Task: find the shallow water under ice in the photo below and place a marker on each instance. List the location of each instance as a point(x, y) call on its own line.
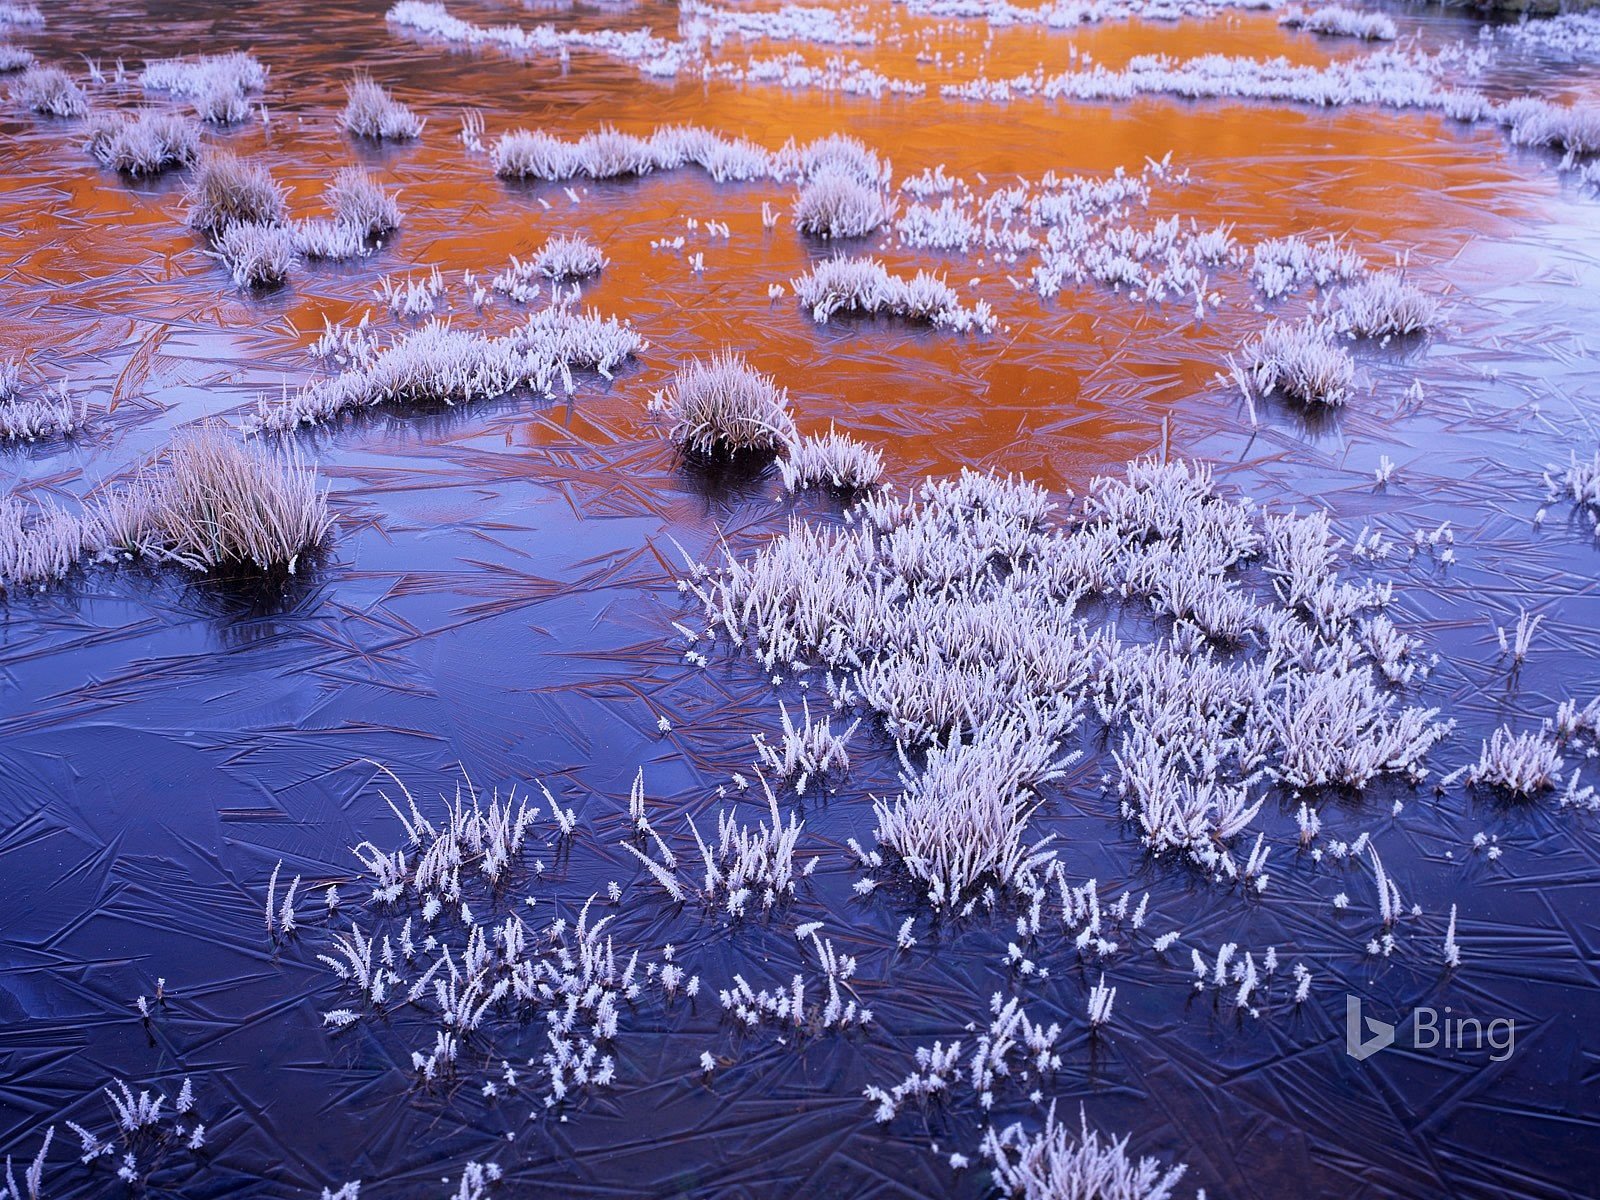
point(501, 591)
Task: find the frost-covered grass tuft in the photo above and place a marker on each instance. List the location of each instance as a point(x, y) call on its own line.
point(14, 58)
point(1387, 305)
point(227, 190)
point(841, 154)
point(371, 112)
point(532, 154)
point(51, 91)
point(1535, 122)
point(361, 202)
point(257, 254)
point(39, 544)
point(1522, 764)
point(12, 13)
point(210, 502)
point(569, 256)
point(1338, 21)
point(833, 460)
point(207, 503)
point(27, 414)
point(836, 205)
point(1300, 361)
point(236, 72)
point(221, 102)
point(1578, 482)
point(723, 405)
point(143, 142)
point(1056, 1164)
point(440, 365)
point(865, 286)
point(329, 239)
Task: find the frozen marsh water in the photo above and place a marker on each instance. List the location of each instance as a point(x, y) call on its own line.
point(499, 599)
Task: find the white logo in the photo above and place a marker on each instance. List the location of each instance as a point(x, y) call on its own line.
point(1354, 1045)
point(1429, 1030)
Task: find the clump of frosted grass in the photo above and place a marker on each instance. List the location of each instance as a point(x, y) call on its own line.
point(1522, 765)
point(440, 365)
point(362, 209)
point(220, 102)
point(206, 503)
point(190, 77)
point(532, 154)
point(1578, 482)
point(51, 411)
point(227, 190)
point(1301, 361)
point(1534, 122)
point(834, 460)
point(723, 405)
point(50, 91)
point(952, 613)
point(841, 154)
point(1056, 1163)
point(39, 543)
point(964, 818)
point(14, 58)
point(257, 254)
point(209, 502)
point(371, 112)
point(143, 142)
point(569, 256)
point(806, 751)
point(1282, 265)
point(328, 239)
point(865, 286)
point(1338, 21)
point(20, 14)
point(361, 202)
point(834, 204)
point(1387, 305)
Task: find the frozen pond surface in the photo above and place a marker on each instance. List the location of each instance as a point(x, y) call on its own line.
point(500, 595)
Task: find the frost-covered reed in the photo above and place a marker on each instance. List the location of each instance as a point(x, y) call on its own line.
point(569, 256)
point(49, 91)
point(1339, 21)
point(1578, 481)
point(1522, 764)
point(723, 405)
point(1387, 305)
point(227, 190)
point(371, 112)
point(833, 204)
point(1302, 361)
point(30, 413)
point(206, 503)
point(835, 460)
point(1058, 1163)
point(145, 141)
point(14, 58)
point(362, 203)
point(209, 502)
point(864, 286)
point(40, 543)
point(190, 77)
point(256, 253)
point(952, 614)
point(809, 750)
point(1531, 121)
point(437, 364)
